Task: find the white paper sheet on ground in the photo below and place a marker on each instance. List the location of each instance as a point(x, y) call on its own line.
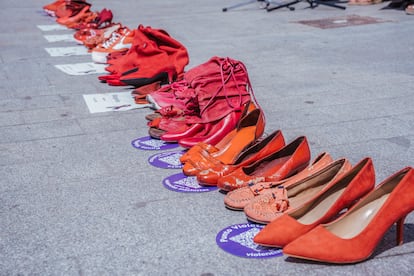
point(105, 102)
point(67, 51)
point(60, 38)
point(53, 27)
point(80, 69)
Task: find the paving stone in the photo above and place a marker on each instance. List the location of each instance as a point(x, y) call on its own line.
point(40, 131)
point(78, 199)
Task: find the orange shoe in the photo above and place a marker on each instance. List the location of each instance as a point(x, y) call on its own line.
point(354, 236)
point(207, 149)
point(66, 20)
point(70, 8)
point(286, 162)
point(245, 137)
point(52, 7)
point(239, 198)
point(267, 207)
point(86, 18)
point(321, 208)
point(103, 19)
point(272, 143)
point(120, 40)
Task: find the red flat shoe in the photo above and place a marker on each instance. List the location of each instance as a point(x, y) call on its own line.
point(272, 143)
point(246, 135)
point(216, 131)
point(205, 149)
point(239, 198)
point(269, 206)
point(291, 159)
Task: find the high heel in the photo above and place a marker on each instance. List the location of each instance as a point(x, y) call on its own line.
point(289, 160)
point(354, 236)
point(239, 198)
point(320, 208)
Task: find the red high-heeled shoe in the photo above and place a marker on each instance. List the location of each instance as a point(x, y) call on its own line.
point(320, 208)
point(354, 236)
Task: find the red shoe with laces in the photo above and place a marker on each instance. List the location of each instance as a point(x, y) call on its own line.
point(91, 37)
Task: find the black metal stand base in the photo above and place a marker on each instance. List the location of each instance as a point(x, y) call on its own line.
point(267, 4)
point(243, 4)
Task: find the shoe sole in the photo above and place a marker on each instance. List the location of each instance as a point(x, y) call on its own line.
point(138, 82)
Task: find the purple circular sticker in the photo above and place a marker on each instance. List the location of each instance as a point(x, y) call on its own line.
point(149, 143)
point(237, 239)
point(167, 160)
point(185, 184)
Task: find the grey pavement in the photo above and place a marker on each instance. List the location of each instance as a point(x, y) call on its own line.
point(77, 199)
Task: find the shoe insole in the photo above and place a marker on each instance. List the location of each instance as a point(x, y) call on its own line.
point(270, 168)
point(353, 223)
point(317, 211)
point(242, 138)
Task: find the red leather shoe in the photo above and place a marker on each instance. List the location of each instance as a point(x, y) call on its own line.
point(176, 136)
point(269, 206)
point(354, 236)
point(239, 198)
point(215, 132)
point(272, 143)
point(291, 159)
point(321, 208)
